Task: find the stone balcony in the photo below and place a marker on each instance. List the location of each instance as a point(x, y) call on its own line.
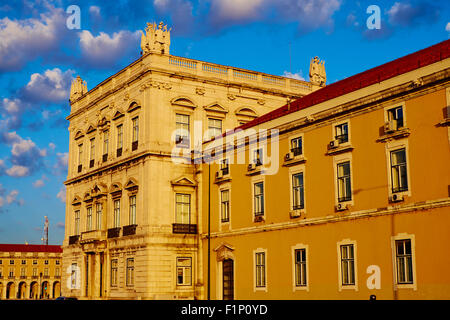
point(94, 235)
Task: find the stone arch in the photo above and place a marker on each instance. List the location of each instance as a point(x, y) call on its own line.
point(22, 290)
point(56, 290)
point(10, 290)
point(45, 290)
point(34, 290)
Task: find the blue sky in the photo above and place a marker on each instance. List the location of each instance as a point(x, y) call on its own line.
point(39, 57)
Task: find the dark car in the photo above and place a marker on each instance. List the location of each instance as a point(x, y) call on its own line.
point(66, 298)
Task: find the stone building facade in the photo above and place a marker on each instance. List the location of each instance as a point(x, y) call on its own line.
point(132, 211)
point(30, 271)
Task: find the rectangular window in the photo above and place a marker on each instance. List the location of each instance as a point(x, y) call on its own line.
point(105, 142)
point(46, 262)
point(130, 271)
point(259, 198)
point(34, 261)
point(77, 223)
point(132, 216)
point(119, 136)
point(80, 154)
point(347, 264)
point(225, 205)
point(22, 272)
point(224, 167)
point(135, 129)
point(89, 219)
point(404, 261)
point(183, 208)
point(260, 268)
point(57, 272)
point(99, 212)
point(24, 261)
point(116, 213)
point(298, 198)
point(182, 127)
point(34, 272)
point(58, 262)
point(344, 182)
point(73, 276)
point(300, 267)
point(92, 153)
point(257, 156)
point(396, 114)
point(45, 272)
point(184, 271)
point(114, 269)
point(297, 146)
point(11, 261)
point(341, 132)
point(399, 171)
point(214, 127)
point(11, 272)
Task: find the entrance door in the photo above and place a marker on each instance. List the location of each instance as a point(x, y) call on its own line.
point(228, 280)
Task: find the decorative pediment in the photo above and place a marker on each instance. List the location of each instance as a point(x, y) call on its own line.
point(115, 187)
point(76, 201)
point(131, 185)
point(183, 102)
point(118, 114)
point(99, 189)
point(246, 112)
point(224, 251)
point(184, 181)
point(87, 197)
point(133, 106)
point(91, 128)
point(79, 135)
point(102, 122)
point(216, 107)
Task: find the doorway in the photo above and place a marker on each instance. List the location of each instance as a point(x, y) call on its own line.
point(228, 279)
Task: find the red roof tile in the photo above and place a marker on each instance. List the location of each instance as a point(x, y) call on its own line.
point(361, 80)
point(29, 248)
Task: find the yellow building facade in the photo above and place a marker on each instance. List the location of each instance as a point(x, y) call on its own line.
point(132, 212)
point(30, 271)
point(342, 194)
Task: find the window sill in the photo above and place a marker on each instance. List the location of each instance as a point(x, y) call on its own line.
point(397, 134)
point(257, 170)
point(344, 147)
point(343, 206)
point(296, 160)
point(444, 123)
point(258, 218)
point(222, 179)
point(297, 213)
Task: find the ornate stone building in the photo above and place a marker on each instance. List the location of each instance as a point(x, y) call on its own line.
point(132, 213)
point(30, 271)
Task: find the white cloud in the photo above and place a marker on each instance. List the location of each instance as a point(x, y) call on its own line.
point(447, 27)
point(61, 195)
point(104, 50)
point(40, 183)
point(18, 171)
point(11, 197)
point(52, 146)
point(236, 9)
point(51, 86)
point(94, 10)
point(298, 75)
point(24, 40)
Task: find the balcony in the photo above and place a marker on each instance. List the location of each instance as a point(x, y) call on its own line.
point(129, 230)
point(91, 236)
point(113, 233)
point(184, 228)
point(74, 239)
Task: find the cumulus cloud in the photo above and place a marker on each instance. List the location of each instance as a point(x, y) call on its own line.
point(40, 183)
point(180, 12)
point(52, 86)
point(406, 14)
point(60, 167)
point(11, 111)
point(26, 158)
point(447, 27)
point(298, 75)
point(60, 225)
point(104, 51)
point(25, 40)
point(61, 195)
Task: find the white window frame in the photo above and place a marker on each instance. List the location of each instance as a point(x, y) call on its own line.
point(129, 279)
point(392, 146)
point(338, 159)
point(355, 259)
point(263, 155)
point(336, 124)
point(135, 128)
point(300, 246)
point(404, 236)
point(298, 135)
point(292, 171)
point(210, 129)
point(190, 220)
point(106, 137)
point(132, 214)
point(184, 114)
point(224, 187)
point(255, 288)
point(395, 105)
point(116, 213)
point(114, 275)
point(253, 181)
point(190, 268)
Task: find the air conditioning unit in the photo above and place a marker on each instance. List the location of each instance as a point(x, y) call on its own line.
point(251, 167)
point(390, 126)
point(396, 197)
point(219, 174)
point(289, 156)
point(333, 144)
point(341, 207)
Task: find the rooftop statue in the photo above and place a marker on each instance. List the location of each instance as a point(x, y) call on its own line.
point(78, 88)
point(156, 39)
point(317, 74)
